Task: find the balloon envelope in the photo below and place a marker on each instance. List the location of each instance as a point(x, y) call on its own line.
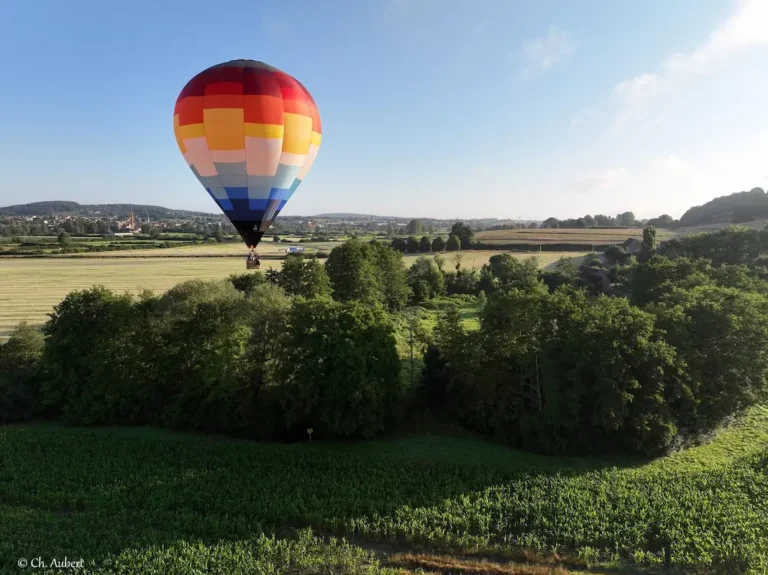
point(250, 133)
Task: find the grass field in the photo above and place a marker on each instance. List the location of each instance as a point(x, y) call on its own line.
point(155, 502)
point(29, 288)
point(559, 236)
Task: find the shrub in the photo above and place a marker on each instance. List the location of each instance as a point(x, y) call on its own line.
point(19, 374)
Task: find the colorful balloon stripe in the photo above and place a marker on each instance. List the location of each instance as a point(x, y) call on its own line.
point(250, 134)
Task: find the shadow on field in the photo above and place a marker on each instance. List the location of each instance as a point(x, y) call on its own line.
point(94, 492)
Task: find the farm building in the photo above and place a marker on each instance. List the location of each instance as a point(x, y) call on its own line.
point(632, 246)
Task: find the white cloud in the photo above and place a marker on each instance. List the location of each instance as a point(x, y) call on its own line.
point(540, 54)
point(672, 165)
point(747, 26)
point(601, 182)
point(636, 96)
point(640, 89)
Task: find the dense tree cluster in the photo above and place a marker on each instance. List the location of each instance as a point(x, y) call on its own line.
point(735, 208)
point(629, 354)
point(623, 220)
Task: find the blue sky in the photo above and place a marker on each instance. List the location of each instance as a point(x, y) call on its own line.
point(443, 108)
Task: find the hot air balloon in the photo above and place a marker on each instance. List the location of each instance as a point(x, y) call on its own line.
point(250, 134)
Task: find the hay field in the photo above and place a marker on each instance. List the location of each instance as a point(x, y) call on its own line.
point(478, 258)
point(30, 288)
point(566, 236)
point(231, 249)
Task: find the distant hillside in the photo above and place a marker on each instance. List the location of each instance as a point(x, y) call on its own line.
point(737, 208)
point(348, 216)
point(755, 225)
point(106, 210)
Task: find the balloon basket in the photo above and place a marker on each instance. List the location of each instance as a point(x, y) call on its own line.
point(252, 265)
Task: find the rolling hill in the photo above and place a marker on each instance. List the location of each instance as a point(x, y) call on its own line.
point(106, 210)
point(736, 208)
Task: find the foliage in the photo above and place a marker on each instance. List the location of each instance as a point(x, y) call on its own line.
point(453, 244)
point(399, 244)
point(652, 279)
point(415, 227)
point(438, 244)
point(87, 383)
point(19, 374)
point(723, 335)
point(368, 272)
point(616, 254)
point(731, 245)
point(462, 282)
point(425, 245)
point(425, 274)
point(339, 369)
point(464, 233)
point(723, 209)
point(351, 272)
point(649, 240)
point(522, 380)
point(504, 272)
point(304, 276)
point(179, 361)
point(663, 221)
point(565, 273)
point(412, 245)
point(248, 281)
point(390, 276)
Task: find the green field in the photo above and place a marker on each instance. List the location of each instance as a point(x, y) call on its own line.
point(152, 502)
point(29, 288)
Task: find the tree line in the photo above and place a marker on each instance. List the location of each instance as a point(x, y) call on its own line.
point(671, 346)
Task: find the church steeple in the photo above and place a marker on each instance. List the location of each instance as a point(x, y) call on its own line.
point(131, 222)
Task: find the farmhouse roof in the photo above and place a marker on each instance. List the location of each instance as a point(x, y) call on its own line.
point(629, 242)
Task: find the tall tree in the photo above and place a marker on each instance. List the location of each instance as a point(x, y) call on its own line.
point(340, 367)
point(425, 270)
point(438, 244)
point(415, 227)
point(399, 244)
point(627, 219)
point(424, 245)
point(304, 276)
point(453, 244)
point(649, 240)
point(389, 273)
point(352, 273)
point(464, 233)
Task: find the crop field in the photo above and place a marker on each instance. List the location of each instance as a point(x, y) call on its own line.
point(475, 259)
point(30, 288)
point(569, 236)
point(152, 502)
